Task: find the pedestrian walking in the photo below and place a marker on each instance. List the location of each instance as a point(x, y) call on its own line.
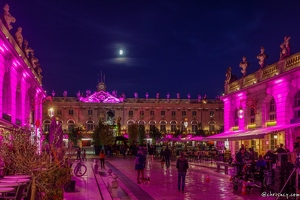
point(140, 164)
point(102, 157)
point(182, 165)
point(167, 155)
point(78, 154)
point(84, 155)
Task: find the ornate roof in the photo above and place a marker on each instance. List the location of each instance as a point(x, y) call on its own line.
point(101, 97)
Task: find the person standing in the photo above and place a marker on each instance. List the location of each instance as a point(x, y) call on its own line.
point(84, 155)
point(78, 154)
point(182, 165)
point(167, 154)
point(151, 153)
point(102, 157)
point(140, 164)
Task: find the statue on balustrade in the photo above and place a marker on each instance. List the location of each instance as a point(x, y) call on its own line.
point(88, 93)
point(285, 48)
point(27, 50)
point(19, 37)
point(7, 18)
point(147, 95)
point(199, 97)
point(178, 96)
point(188, 96)
point(168, 96)
point(78, 94)
point(262, 57)
point(227, 75)
point(65, 94)
point(34, 61)
point(157, 95)
point(244, 64)
point(136, 95)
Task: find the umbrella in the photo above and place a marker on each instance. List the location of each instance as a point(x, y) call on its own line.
point(198, 138)
point(169, 139)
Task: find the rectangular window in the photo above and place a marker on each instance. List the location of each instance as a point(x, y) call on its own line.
point(90, 112)
point(90, 127)
point(71, 112)
point(252, 120)
point(194, 113)
point(211, 127)
point(59, 112)
point(211, 113)
point(183, 113)
point(130, 113)
point(141, 113)
point(173, 113)
point(162, 113)
point(46, 127)
point(152, 113)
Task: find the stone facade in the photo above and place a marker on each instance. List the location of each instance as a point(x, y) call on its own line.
point(265, 98)
point(21, 94)
point(166, 114)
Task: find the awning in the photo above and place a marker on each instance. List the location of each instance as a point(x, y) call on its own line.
point(248, 135)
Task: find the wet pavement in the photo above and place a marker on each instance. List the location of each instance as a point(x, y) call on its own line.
point(163, 182)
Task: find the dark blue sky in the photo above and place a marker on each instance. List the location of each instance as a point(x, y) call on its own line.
point(169, 46)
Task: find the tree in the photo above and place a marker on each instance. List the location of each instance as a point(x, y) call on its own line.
point(155, 133)
point(142, 134)
point(133, 133)
point(102, 135)
point(75, 134)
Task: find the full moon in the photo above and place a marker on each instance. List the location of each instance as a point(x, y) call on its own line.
point(121, 52)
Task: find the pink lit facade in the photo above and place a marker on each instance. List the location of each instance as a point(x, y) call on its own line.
point(262, 110)
point(21, 86)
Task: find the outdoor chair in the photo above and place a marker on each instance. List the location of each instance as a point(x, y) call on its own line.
point(16, 195)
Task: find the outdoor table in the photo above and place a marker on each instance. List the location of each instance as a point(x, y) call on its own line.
point(6, 189)
point(11, 180)
point(18, 176)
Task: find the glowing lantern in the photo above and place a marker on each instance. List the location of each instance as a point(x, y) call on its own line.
point(241, 113)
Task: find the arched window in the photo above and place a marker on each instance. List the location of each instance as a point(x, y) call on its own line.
point(272, 110)
point(212, 126)
point(252, 116)
point(142, 122)
point(297, 105)
point(89, 125)
point(194, 126)
point(47, 123)
point(152, 124)
point(173, 126)
point(71, 124)
point(163, 126)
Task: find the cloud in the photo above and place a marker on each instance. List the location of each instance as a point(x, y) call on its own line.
point(130, 62)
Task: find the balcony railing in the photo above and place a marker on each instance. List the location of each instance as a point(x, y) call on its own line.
point(270, 71)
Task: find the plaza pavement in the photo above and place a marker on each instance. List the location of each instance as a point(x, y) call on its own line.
point(163, 183)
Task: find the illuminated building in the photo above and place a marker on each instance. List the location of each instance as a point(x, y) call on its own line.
point(21, 93)
point(262, 109)
point(165, 113)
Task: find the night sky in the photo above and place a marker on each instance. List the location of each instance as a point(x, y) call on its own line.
point(169, 46)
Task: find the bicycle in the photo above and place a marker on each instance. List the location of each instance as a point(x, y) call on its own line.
point(80, 169)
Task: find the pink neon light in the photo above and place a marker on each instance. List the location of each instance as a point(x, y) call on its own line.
point(240, 94)
point(278, 81)
point(225, 99)
point(1, 49)
point(18, 63)
point(14, 64)
point(5, 46)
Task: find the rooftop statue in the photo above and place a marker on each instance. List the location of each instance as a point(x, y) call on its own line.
point(65, 93)
point(188, 96)
point(157, 95)
point(114, 93)
point(147, 95)
point(285, 48)
point(78, 94)
point(228, 76)
point(262, 57)
point(168, 96)
point(34, 61)
point(199, 97)
point(244, 64)
point(7, 17)
point(136, 95)
point(53, 93)
point(178, 96)
point(27, 50)
point(88, 93)
point(19, 37)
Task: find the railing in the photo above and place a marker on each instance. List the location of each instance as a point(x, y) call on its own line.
point(270, 71)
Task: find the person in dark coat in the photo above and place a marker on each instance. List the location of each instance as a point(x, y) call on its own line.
point(182, 165)
point(167, 155)
point(140, 164)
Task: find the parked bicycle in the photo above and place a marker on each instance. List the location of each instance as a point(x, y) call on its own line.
point(80, 169)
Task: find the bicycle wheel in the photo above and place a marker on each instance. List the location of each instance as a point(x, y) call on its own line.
point(80, 170)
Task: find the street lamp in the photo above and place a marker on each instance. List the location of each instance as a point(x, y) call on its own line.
point(51, 112)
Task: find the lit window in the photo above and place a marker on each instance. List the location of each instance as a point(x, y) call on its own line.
point(89, 125)
point(194, 126)
point(272, 110)
point(152, 125)
point(252, 116)
point(211, 113)
point(71, 125)
point(163, 126)
point(173, 126)
point(47, 126)
point(297, 105)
